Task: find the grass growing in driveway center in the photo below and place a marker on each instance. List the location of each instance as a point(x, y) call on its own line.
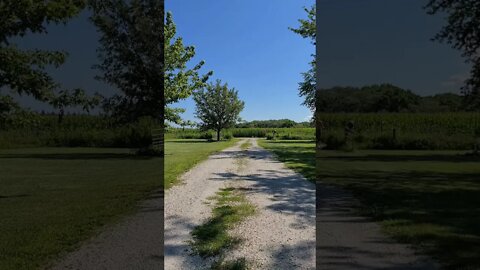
point(53, 198)
point(430, 199)
point(183, 154)
point(245, 145)
point(231, 207)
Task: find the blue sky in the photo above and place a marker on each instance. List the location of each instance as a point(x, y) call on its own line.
point(247, 44)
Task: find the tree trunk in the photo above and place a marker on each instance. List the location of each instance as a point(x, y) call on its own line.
point(218, 134)
point(60, 116)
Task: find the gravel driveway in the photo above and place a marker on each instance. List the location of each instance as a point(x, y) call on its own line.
point(347, 241)
point(134, 243)
point(281, 235)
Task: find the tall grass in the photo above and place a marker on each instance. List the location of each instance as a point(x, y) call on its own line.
point(422, 131)
point(76, 130)
point(280, 133)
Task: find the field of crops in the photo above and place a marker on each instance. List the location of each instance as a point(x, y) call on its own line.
point(422, 131)
point(280, 133)
point(75, 130)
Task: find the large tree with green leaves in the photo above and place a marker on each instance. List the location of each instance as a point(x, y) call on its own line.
point(23, 72)
point(218, 107)
point(307, 29)
point(77, 97)
point(462, 31)
point(180, 81)
point(132, 56)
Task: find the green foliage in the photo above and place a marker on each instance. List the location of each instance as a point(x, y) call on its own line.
point(461, 31)
point(132, 56)
point(281, 133)
point(281, 123)
point(75, 131)
point(297, 155)
point(434, 131)
point(385, 98)
point(23, 72)
point(218, 107)
point(78, 97)
point(53, 199)
point(231, 207)
point(182, 155)
point(428, 199)
point(307, 29)
point(180, 81)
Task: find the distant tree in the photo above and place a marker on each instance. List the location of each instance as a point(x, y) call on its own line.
point(132, 55)
point(180, 81)
point(218, 107)
point(463, 33)
point(73, 99)
point(23, 72)
point(186, 123)
point(307, 87)
point(371, 98)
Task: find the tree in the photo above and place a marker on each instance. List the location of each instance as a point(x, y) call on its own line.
point(218, 107)
point(76, 98)
point(180, 81)
point(307, 29)
point(132, 56)
point(186, 123)
point(463, 33)
point(22, 72)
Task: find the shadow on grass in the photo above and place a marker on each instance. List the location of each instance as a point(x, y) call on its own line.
point(300, 159)
point(14, 196)
point(438, 212)
point(193, 141)
point(291, 141)
point(408, 158)
point(76, 156)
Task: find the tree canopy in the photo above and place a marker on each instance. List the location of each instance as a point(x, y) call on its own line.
point(180, 81)
point(280, 123)
point(23, 72)
point(462, 31)
point(384, 98)
point(218, 107)
point(307, 29)
point(132, 55)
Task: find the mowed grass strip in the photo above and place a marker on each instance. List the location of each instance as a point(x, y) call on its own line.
point(429, 199)
point(212, 237)
point(53, 198)
point(244, 146)
point(297, 155)
point(183, 154)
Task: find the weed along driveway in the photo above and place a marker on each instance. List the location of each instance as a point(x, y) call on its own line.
point(240, 209)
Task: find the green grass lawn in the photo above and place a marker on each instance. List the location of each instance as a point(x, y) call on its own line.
point(183, 154)
point(297, 155)
point(427, 198)
point(430, 199)
point(53, 198)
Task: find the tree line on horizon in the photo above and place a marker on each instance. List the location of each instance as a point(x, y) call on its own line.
point(379, 98)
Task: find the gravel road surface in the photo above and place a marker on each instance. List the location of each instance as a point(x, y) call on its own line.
point(134, 243)
point(281, 235)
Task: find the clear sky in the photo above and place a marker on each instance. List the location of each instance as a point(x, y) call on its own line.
point(247, 44)
point(376, 41)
